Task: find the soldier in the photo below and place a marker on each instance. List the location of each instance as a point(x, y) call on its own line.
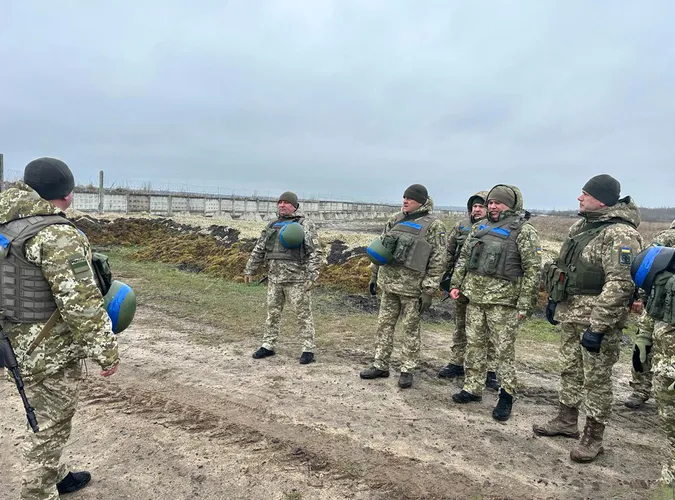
point(642, 380)
point(54, 259)
point(408, 261)
point(290, 245)
point(477, 209)
point(498, 272)
point(591, 284)
point(654, 272)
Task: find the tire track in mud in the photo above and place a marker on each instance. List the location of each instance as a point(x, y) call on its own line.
point(340, 458)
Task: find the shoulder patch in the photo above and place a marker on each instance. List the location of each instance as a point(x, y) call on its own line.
point(80, 267)
point(625, 256)
point(539, 250)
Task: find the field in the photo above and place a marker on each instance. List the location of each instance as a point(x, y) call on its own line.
point(191, 415)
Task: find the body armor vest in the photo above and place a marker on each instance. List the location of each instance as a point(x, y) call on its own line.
point(463, 231)
point(569, 274)
point(25, 294)
point(407, 241)
point(661, 302)
point(274, 250)
point(493, 250)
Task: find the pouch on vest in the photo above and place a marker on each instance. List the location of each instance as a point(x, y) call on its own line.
point(389, 242)
point(404, 244)
point(475, 249)
point(669, 309)
point(556, 282)
point(490, 257)
point(102, 272)
point(656, 303)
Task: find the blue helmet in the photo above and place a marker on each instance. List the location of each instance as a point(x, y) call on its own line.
point(650, 262)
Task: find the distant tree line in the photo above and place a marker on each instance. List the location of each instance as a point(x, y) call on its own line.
point(658, 214)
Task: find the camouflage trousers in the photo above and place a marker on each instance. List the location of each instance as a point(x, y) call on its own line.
point(391, 307)
point(641, 382)
point(458, 346)
point(587, 377)
point(485, 325)
point(301, 301)
point(663, 351)
point(54, 400)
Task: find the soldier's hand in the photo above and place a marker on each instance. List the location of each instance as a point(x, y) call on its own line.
point(637, 307)
point(248, 279)
point(521, 316)
point(372, 287)
point(111, 371)
point(550, 311)
point(591, 341)
point(641, 350)
point(454, 293)
point(424, 302)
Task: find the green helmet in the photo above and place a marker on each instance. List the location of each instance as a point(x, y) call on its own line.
point(292, 235)
point(120, 303)
point(378, 253)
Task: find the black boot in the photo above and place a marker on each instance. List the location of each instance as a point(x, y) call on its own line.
point(502, 411)
point(491, 381)
point(465, 397)
point(373, 372)
point(263, 353)
point(451, 371)
point(73, 481)
point(405, 380)
point(306, 358)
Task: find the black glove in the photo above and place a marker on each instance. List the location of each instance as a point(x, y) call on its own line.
point(550, 311)
point(372, 287)
point(591, 341)
point(445, 281)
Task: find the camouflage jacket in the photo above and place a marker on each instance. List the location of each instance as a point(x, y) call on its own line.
point(84, 328)
point(406, 282)
point(489, 290)
point(460, 229)
point(288, 271)
point(609, 310)
point(666, 238)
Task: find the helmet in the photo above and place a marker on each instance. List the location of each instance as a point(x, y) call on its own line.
point(292, 235)
point(120, 302)
point(378, 253)
point(650, 262)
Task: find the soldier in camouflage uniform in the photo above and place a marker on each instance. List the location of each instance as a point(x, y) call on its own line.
point(477, 210)
point(498, 271)
point(642, 381)
point(591, 284)
point(292, 274)
point(409, 282)
point(55, 259)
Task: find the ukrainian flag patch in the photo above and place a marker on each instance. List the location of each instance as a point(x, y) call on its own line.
point(625, 256)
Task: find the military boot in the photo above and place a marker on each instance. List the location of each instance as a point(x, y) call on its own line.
point(590, 445)
point(451, 371)
point(491, 381)
point(502, 411)
point(635, 401)
point(373, 372)
point(565, 424)
point(73, 481)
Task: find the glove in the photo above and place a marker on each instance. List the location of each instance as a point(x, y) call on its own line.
point(591, 341)
point(445, 281)
point(550, 312)
point(643, 346)
point(372, 286)
point(424, 302)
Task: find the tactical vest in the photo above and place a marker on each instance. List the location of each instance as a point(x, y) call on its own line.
point(661, 302)
point(407, 241)
point(493, 250)
point(571, 275)
point(274, 250)
point(25, 295)
point(462, 234)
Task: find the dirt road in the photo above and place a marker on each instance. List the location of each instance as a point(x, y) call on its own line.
point(182, 420)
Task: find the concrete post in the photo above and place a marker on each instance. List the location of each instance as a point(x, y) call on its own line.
point(100, 192)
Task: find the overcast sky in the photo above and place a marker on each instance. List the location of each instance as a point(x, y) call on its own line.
point(352, 98)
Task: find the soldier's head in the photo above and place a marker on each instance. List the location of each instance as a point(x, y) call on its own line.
point(477, 206)
point(599, 192)
point(287, 203)
point(52, 180)
point(500, 199)
point(414, 197)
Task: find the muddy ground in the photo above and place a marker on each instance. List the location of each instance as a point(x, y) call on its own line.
point(182, 420)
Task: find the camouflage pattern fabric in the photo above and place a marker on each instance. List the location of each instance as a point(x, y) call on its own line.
point(84, 328)
point(289, 271)
point(586, 377)
point(641, 382)
point(301, 301)
point(490, 290)
point(54, 399)
point(457, 235)
point(609, 310)
point(398, 280)
point(391, 307)
point(666, 238)
point(664, 375)
point(485, 325)
point(458, 346)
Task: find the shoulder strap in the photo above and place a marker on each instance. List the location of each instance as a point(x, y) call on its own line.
point(598, 225)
